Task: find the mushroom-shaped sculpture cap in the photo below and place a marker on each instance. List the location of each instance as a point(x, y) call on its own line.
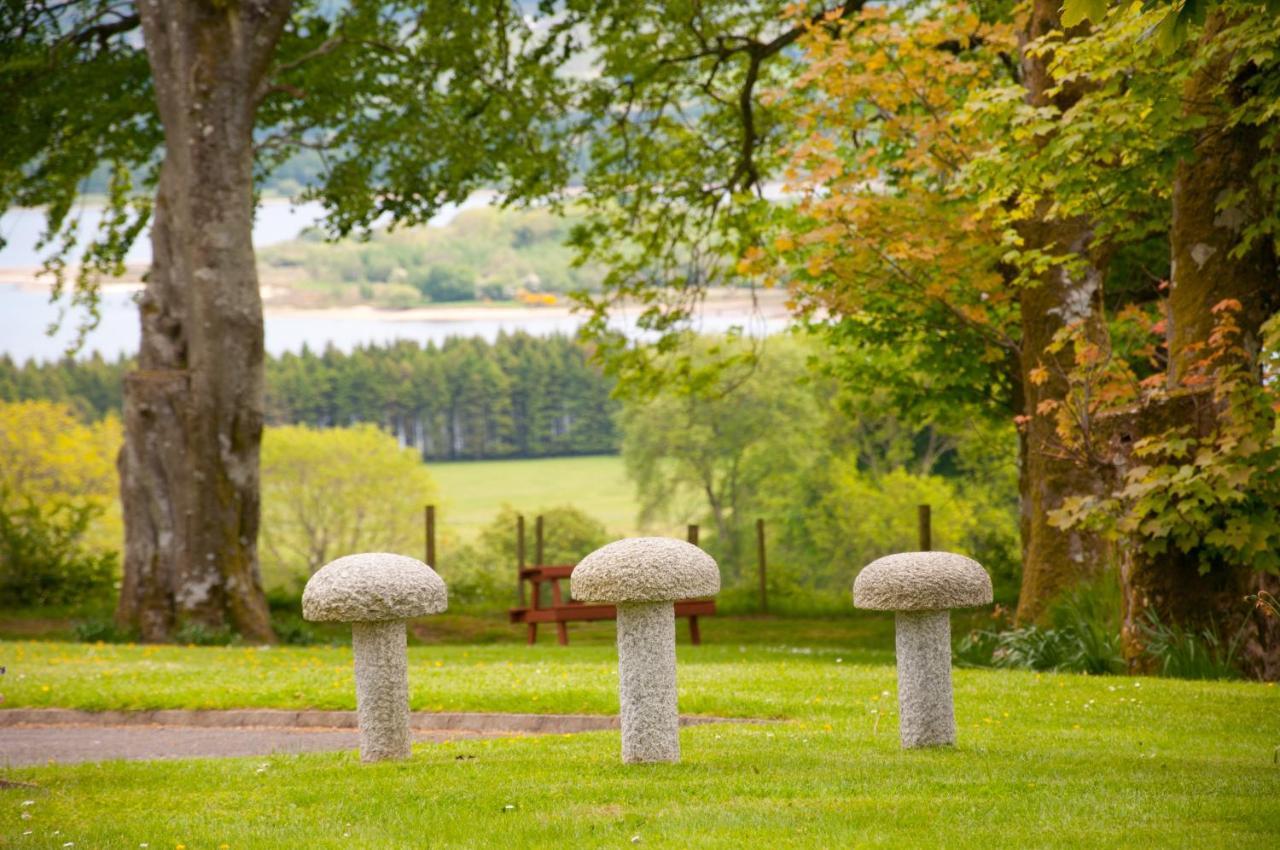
point(921, 581)
point(645, 569)
point(373, 587)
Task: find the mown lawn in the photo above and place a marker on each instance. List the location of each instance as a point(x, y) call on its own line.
point(1043, 760)
point(472, 492)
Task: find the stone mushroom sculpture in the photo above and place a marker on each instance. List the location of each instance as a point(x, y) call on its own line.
point(376, 592)
point(644, 576)
point(921, 588)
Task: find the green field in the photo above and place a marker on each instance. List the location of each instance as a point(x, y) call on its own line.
point(1043, 760)
point(472, 492)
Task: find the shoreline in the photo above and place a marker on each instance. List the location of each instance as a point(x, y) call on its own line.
point(767, 304)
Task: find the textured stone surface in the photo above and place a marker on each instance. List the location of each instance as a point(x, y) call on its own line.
point(72, 744)
point(382, 689)
point(372, 587)
point(645, 569)
point(922, 581)
point(926, 717)
point(647, 682)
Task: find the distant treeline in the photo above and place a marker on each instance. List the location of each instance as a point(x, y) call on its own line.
point(520, 396)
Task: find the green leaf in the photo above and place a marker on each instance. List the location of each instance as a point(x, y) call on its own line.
point(1078, 11)
point(1170, 33)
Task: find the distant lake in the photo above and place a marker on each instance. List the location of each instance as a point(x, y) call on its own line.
point(25, 314)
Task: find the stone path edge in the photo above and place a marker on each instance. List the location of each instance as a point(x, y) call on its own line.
point(314, 718)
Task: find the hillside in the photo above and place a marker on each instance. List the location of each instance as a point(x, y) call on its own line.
point(484, 255)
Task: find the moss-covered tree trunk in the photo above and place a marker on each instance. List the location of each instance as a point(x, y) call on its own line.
point(1053, 559)
point(194, 406)
point(1204, 232)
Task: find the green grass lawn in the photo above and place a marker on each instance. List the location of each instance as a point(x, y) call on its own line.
point(472, 492)
point(1043, 760)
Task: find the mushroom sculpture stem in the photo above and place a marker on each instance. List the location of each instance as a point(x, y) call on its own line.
point(376, 592)
point(921, 588)
point(923, 644)
point(382, 689)
point(647, 681)
point(643, 576)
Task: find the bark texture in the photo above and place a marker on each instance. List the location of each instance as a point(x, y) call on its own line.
point(194, 407)
point(1053, 560)
point(1203, 235)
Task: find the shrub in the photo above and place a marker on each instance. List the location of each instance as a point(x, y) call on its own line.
point(396, 296)
point(482, 574)
point(328, 492)
point(446, 283)
point(48, 456)
point(1189, 654)
point(43, 559)
point(201, 635)
point(1084, 637)
point(104, 630)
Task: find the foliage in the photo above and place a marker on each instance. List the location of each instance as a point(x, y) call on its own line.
point(482, 574)
point(714, 451)
point(331, 492)
point(105, 630)
point(91, 386)
point(834, 474)
point(485, 253)
point(837, 518)
point(680, 143)
point(1191, 654)
point(887, 250)
point(1216, 492)
point(59, 464)
point(480, 78)
point(518, 396)
point(1084, 636)
point(43, 556)
point(1170, 30)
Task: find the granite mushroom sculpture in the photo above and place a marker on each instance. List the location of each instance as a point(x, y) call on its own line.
point(643, 577)
point(376, 592)
point(921, 588)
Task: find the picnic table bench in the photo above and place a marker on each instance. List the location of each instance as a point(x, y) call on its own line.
point(561, 611)
point(553, 605)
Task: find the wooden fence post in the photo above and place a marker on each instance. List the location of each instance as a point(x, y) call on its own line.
point(520, 557)
point(431, 538)
point(764, 593)
point(693, 534)
point(926, 528)
point(537, 542)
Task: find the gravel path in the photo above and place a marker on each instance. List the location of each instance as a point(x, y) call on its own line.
point(67, 744)
point(41, 736)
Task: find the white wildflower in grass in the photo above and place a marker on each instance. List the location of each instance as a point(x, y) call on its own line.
point(28, 802)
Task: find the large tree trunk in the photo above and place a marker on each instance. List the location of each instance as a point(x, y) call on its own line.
point(194, 407)
point(1205, 273)
point(1053, 559)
